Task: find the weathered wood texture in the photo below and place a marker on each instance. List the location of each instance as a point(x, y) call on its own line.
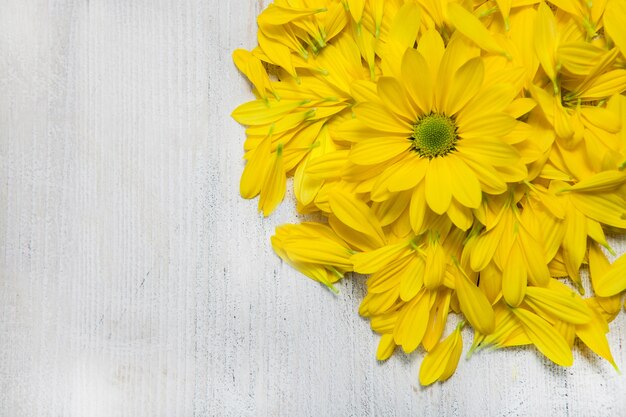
point(134, 281)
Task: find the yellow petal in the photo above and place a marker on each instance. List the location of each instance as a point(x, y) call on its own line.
point(319, 251)
point(460, 215)
point(356, 214)
point(411, 278)
point(435, 267)
point(393, 95)
point(614, 280)
point(363, 90)
point(369, 262)
point(602, 181)
point(400, 176)
point(388, 277)
point(367, 44)
point(315, 272)
point(417, 208)
point(355, 239)
point(505, 9)
point(469, 25)
point(441, 362)
point(520, 107)
point(438, 179)
point(605, 85)
point(329, 165)
point(492, 149)
point(255, 170)
point(595, 232)
point(538, 271)
point(384, 323)
point(614, 18)
point(431, 45)
point(603, 207)
point(356, 9)
point(545, 337)
point(575, 241)
point(405, 26)
point(579, 57)
point(374, 151)
point(408, 174)
point(494, 98)
point(278, 15)
point(378, 117)
point(474, 305)
point(602, 118)
point(490, 126)
point(252, 68)
point(567, 307)
point(437, 320)
point(562, 121)
point(260, 112)
point(412, 322)
point(598, 264)
point(388, 211)
point(276, 52)
point(491, 282)
point(274, 186)
point(378, 7)
point(491, 181)
point(545, 38)
point(375, 304)
point(485, 247)
point(386, 346)
point(335, 21)
point(600, 67)
point(593, 334)
point(514, 277)
point(508, 331)
point(418, 79)
point(457, 53)
point(465, 84)
point(465, 187)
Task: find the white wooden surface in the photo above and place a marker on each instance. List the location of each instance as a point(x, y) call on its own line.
point(134, 281)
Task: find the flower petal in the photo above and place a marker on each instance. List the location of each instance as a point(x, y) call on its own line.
point(378, 117)
point(418, 80)
point(469, 25)
point(438, 190)
point(393, 96)
point(514, 279)
point(465, 84)
point(474, 305)
point(441, 362)
point(464, 186)
point(356, 214)
point(374, 151)
point(545, 337)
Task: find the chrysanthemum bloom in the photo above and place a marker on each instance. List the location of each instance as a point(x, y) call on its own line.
point(439, 129)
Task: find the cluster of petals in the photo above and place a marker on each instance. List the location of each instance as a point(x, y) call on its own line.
point(466, 156)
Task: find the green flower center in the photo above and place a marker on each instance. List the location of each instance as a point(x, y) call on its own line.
point(434, 135)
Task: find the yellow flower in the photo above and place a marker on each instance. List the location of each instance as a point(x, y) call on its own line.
point(439, 131)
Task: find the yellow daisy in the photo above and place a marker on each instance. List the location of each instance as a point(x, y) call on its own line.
point(438, 129)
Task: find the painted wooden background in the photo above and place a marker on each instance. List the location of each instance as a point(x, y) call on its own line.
point(134, 281)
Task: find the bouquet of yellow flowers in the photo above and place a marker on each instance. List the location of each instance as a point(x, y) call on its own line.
point(468, 156)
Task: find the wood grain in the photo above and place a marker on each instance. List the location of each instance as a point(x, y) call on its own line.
point(134, 281)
